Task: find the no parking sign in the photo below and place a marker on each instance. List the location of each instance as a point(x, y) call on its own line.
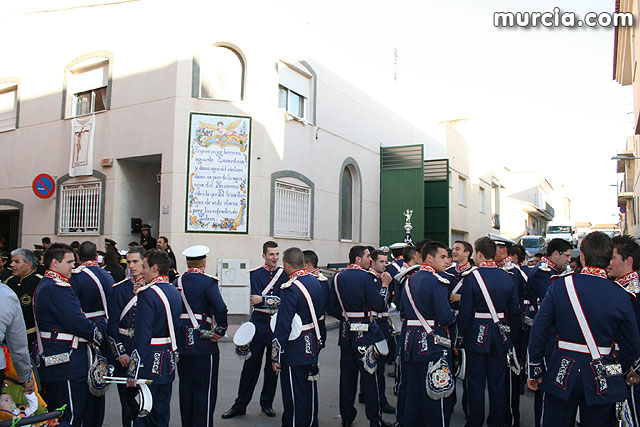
point(43, 186)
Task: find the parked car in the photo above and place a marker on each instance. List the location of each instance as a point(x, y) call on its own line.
point(533, 244)
point(563, 230)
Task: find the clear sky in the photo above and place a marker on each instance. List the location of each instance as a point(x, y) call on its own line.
point(536, 98)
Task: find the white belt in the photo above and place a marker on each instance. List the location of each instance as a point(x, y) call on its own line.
point(263, 310)
point(307, 326)
point(383, 314)
point(581, 348)
point(185, 316)
point(126, 332)
point(95, 314)
point(417, 323)
point(488, 315)
point(159, 341)
point(356, 314)
point(61, 337)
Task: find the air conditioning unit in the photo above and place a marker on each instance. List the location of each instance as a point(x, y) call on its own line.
point(234, 284)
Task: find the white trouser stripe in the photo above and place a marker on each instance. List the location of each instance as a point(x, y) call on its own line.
point(293, 399)
point(70, 401)
point(633, 402)
point(209, 392)
point(313, 402)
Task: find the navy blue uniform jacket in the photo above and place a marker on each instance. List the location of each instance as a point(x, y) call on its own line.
point(430, 293)
point(260, 278)
point(360, 297)
point(609, 313)
point(304, 349)
point(203, 296)
point(60, 318)
point(481, 335)
point(149, 360)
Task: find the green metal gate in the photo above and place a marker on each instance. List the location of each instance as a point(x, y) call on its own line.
point(436, 200)
point(401, 188)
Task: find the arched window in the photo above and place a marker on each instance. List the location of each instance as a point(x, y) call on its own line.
point(221, 70)
point(87, 84)
point(350, 221)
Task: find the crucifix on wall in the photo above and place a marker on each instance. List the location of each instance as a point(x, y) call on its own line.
point(80, 157)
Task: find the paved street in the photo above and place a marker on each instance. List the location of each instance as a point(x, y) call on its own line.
point(230, 368)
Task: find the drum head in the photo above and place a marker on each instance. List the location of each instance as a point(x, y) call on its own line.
point(296, 326)
point(244, 334)
point(382, 347)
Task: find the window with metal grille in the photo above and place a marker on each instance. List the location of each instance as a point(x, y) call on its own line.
point(292, 210)
point(80, 208)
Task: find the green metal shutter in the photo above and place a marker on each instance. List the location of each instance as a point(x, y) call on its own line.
point(436, 200)
point(401, 188)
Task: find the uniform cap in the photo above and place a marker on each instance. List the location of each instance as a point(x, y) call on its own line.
point(110, 242)
point(500, 240)
point(244, 334)
point(39, 247)
point(196, 252)
point(398, 245)
point(145, 227)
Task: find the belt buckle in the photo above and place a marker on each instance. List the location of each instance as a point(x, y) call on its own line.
point(613, 369)
point(438, 340)
point(57, 359)
point(359, 327)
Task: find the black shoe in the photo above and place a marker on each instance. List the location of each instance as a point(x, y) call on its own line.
point(387, 409)
point(361, 398)
point(233, 413)
point(346, 423)
point(269, 411)
point(384, 423)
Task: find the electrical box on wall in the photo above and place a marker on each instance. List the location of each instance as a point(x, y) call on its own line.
point(234, 284)
point(136, 225)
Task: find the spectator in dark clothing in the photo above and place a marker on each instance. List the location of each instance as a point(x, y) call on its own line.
point(112, 265)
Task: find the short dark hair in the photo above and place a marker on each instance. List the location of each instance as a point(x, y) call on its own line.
point(597, 248)
point(408, 252)
point(75, 244)
point(431, 248)
point(626, 246)
point(56, 251)
point(449, 253)
point(538, 255)
point(310, 257)
point(466, 245)
point(137, 250)
point(111, 259)
point(396, 252)
point(356, 251)
point(559, 245)
point(159, 258)
point(518, 250)
point(421, 243)
point(268, 244)
point(164, 238)
point(46, 240)
point(87, 251)
point(486, 246)
point(376, 253)
point(371, 249)
point(294, 257)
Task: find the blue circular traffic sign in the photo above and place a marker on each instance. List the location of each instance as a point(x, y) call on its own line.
point(44, 186)
point(623, 209)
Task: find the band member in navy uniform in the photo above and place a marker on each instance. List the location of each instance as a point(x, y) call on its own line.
point(265, 291)
point(311, 264)
point(352, 299)
point(122, 310)
point(93, 286)
point(378, 269)
point(198, 339)
point(554, 263)
point(395, 266)
point(488, 308)
point(624, 266)
point(425, 306)
point(23, 282)
point(590, 315)
point(297, 358)
point(154, 340)
point(63, 332)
